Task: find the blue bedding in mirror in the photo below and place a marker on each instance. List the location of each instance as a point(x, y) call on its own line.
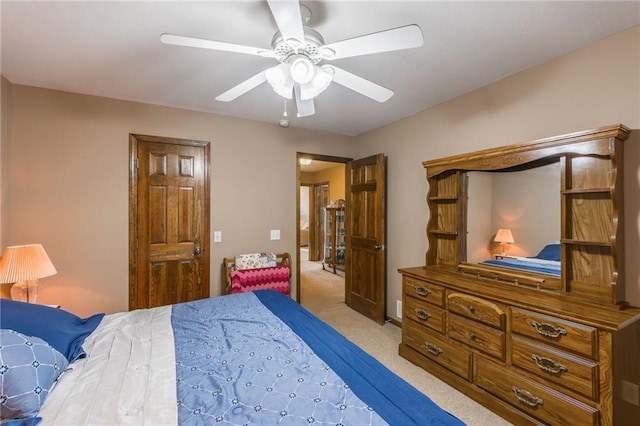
point(547, 261)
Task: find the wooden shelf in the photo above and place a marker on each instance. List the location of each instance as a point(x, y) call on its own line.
point(586, 191)
point(585, 242)
point(437, 232)
point(444, 198)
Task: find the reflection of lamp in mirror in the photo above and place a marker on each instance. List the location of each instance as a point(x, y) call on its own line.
point(504, 237)
point(24, 265)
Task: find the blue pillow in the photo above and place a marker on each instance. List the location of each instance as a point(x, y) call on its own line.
point(29, 367)
point(61, 329)
point(550, 252)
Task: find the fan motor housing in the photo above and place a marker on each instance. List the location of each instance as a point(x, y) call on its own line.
point(313, 41)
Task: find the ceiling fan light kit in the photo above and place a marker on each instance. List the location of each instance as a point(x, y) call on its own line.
point(301, 70)
point(300, 49)
point(280, 80)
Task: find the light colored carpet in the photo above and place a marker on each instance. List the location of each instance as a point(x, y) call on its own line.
point(322, 292)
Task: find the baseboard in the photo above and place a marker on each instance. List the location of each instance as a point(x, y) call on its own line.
point(394, 322)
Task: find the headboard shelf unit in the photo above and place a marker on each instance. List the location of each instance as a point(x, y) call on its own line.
point(447, 205)
point(591, 233)
point(535, 345)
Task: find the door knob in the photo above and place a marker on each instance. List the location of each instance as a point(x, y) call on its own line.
point(379, 246)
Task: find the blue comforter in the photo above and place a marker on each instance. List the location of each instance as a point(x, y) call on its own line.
point(547, 268)
point(262, 358)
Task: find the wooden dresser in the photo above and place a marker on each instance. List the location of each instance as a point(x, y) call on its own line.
point(534, 348)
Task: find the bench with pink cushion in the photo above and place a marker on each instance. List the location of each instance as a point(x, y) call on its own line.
point(256, 271)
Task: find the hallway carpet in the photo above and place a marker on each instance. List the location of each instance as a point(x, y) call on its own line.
point(322, 292)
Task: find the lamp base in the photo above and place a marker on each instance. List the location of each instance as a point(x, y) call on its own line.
point(25, 291)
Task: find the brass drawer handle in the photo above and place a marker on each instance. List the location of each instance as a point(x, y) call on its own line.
point(526, 397)
point(548, 330)
point(472, 335)
point(548, 365)
point(422, 291)
point(423, 315)
point(471, 309)
point(435, 350)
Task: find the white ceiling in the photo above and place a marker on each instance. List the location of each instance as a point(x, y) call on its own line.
point(113, 49)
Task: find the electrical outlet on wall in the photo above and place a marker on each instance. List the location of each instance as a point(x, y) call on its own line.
point(275, 234)
point(217, 236)
point(399, 308)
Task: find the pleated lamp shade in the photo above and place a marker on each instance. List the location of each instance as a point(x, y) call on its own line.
point(24, 265)
point(504, 236)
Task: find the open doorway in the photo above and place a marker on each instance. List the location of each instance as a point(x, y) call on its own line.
point(319, 273)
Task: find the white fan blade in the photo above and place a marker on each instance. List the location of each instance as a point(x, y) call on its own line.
point(179, 40)
point(288, 18)
point(400, 38)
point(361, 85)
point(242, 88)
point(305, 108)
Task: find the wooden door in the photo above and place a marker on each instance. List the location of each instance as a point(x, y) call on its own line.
point(168, 221)
point(320, 199)
point(365, 263)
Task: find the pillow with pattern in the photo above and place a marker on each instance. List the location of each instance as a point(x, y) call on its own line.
point(64, 331)
point(29, 367)
point(255, 260)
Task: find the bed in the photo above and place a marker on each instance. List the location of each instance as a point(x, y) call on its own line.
point(547, 261)
point(244, 358)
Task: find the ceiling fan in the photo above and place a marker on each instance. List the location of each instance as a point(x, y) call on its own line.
point(300, 51)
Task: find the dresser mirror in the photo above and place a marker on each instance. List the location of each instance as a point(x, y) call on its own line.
point(525, 201)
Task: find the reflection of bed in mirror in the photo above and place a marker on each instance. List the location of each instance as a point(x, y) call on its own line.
point(547, 261)
point(525, 200)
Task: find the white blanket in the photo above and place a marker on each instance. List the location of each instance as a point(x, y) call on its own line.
point(130, 365)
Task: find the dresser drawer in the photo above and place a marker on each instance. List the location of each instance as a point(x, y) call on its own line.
point(483, 338)
point(566, 335)
point(425, 313)
point(566, 370)
point(533, 398)
point(424, 290)
point(477, 309)
point(453, 357)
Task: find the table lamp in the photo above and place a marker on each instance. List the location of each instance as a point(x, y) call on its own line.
point(504, 237)
point(24, 265)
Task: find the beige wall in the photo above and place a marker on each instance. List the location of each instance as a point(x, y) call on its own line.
point(333, 175)
point(69, 176)
point(69, 186)
point(591, 87)
point(5, 134)
point(5, 144)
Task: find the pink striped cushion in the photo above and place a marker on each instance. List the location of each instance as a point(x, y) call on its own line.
point(273, 278)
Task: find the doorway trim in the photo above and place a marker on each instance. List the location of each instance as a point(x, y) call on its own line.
point(317, 157)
